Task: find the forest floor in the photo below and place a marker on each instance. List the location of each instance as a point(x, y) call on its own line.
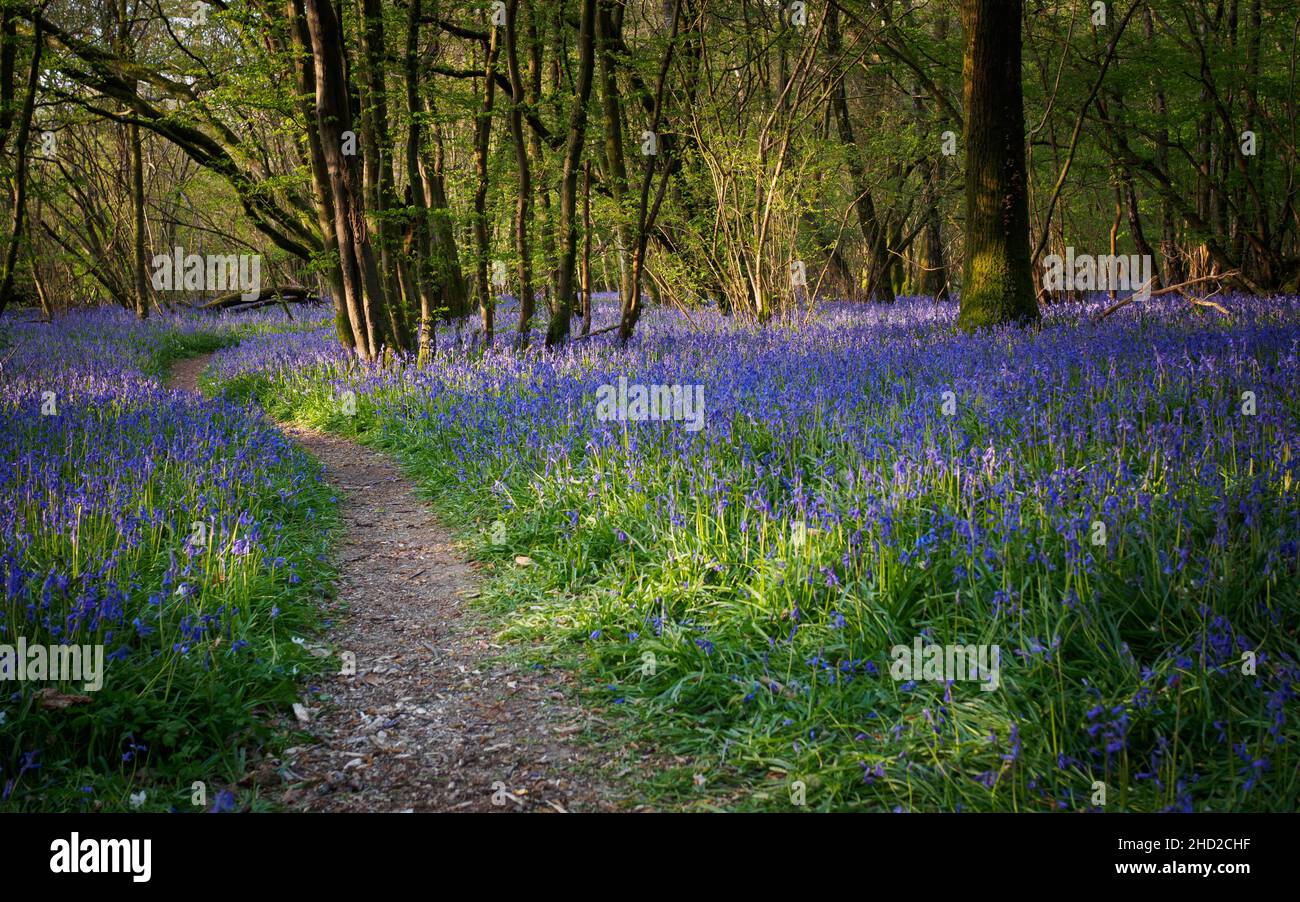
point(436, 717)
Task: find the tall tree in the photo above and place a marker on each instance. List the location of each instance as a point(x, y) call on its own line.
point(647, 211)
point(482, 146)
point(564, 283)
point(523, 203)
point(18, 181)
point(997, 285)
point(135, 151)
point(304, 69)
point(361, 287)
point(609, 24)
point(873, 231)
point(420, 234)
point(381, 195)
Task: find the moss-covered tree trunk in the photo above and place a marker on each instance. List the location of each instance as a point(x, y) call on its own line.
point(997, 286)
point(18, 181)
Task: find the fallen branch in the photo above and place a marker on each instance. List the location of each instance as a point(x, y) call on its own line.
point(1205, 302)
point(295, 294)
point(257, 305)
point(597, 332)
point(1120, 304)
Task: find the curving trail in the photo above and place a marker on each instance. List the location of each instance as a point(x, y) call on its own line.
point(429, 721)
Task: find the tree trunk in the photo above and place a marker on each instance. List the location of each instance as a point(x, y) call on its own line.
point(334, 117)
point(932, 275)
point(547, 230)
point(379, 172)
point(482, 144)
point(523, 201)
point(879, 286)
point(18, 182)
point(137, 211)
point(305, 73)
point(446, 255)
point(1171, 269)
point(421, 242)
point(647, 210)
point(586, 248)
point(608, 35)
point(997, 286)
point(558, 332)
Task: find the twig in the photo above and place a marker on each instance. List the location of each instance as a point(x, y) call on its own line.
point(1206, 302)
point(597, 332)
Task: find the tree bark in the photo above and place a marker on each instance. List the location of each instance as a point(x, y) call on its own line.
point(334, 117)
point(523, 200)
point(422, 271)
point(18, 182)
point(558, 332)
point(997, 286)
point(482, 144)
point(379, 172)
point(608, 36)
point(446, 255)
point(586, 248)
point(305, 73)
point(137, 214)
point(879, 287)
point(547, 232)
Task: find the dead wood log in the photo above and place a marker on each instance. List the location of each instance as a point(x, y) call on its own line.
point(278, 294)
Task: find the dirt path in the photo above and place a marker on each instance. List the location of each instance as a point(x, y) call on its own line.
point(429, 722)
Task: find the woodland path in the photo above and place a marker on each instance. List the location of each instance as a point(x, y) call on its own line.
point(431, 721)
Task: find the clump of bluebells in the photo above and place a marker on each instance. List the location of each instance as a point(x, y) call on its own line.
point(161, 526)
point(1114, 504)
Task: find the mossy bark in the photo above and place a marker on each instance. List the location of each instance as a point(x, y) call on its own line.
point(997, 286)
